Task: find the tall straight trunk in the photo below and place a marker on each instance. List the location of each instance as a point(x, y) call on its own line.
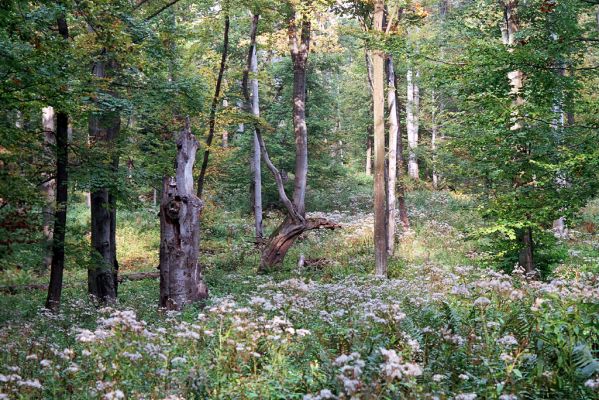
point(104, 128)
point(225, 137)
point(401, 167)
point(392, 158)
point(252, 103)
point(181, 281)
point(516, 77)
point(378, 99)
point(369, 150)
point(212, 117)
point(60, 210)
point(412, 119)
point(295, 223)
point(370, 129)
point(434, 135)
point(60, 214)
point(48, 187)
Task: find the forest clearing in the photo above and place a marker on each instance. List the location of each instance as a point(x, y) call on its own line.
point(299, 199)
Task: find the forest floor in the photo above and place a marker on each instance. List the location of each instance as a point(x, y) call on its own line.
point(443, 326)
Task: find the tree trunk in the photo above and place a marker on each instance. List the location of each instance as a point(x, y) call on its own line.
point(401, 168)
point(225, 137)
point(378, 98)
point(526, 257)
point(295, 223)
point(60, 214)
point(369, 150)
point(412, 116)
point(253, 103)
point(392, 163)
point(434, 135)
point(370, 129)
point(104, 127)
point(212, 117)
point(181, 280)
point(60, 210)
point(48, 187)
point(516, 78)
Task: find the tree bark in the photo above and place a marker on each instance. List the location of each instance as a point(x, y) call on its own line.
point(394, 133)
point(253, 104)
point(378, 98)
point(412, 117)
point(60, 210)
point(104, 128)
point(370, 133)
point(212, 117)
point(181, 281)
point(434, 135)
point(48, 187)
point(370, 129)
point(509, 30)
point(295, 223)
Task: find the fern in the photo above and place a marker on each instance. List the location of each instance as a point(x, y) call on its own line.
point(586, 364)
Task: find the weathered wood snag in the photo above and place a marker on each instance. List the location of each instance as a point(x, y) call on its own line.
point(181, 280)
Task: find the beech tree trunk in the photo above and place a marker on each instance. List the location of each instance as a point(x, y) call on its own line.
point(212, 117)
point(104, 128)
point(253, 104)
point(401, 167)
point(509, 30)
point(181, 281)
point(369, 151)
point(48, 187)
point(60, 214)
point(60, 210)
point(392, 158)
point(412, 117)
point(378, 98)
point(434, 135)
point(295, 223)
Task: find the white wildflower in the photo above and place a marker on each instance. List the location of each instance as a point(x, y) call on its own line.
point(482, 301)
point(31, 383)
point(465, 396)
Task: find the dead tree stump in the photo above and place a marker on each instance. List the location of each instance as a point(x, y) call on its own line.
point(181, 280)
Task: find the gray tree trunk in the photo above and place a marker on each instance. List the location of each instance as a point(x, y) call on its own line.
point(253, 101)
point(295, 223)
point(434, 136)
point(378, 98)
point(48, 187)
point(509, 30)
point(181, 281)
point(412, 117)
point(392, 158)
point(104, 128)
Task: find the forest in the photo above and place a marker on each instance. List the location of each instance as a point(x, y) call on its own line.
point(299, 199)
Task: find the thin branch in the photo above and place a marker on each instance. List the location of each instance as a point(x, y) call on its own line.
point(161, 9)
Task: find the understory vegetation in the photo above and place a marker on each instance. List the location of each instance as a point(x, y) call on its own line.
point(443, 325)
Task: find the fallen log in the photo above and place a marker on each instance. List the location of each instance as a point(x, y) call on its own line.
point(137, 276)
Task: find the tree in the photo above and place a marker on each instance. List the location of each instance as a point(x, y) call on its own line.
point(295, 222)
point(49, 186)
point(60, 209)
point(412, 121)
point(378, 98)
point(181, 280)
point(104, 128)
point(215, 100)
point(253, 104)
point(394, 136)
